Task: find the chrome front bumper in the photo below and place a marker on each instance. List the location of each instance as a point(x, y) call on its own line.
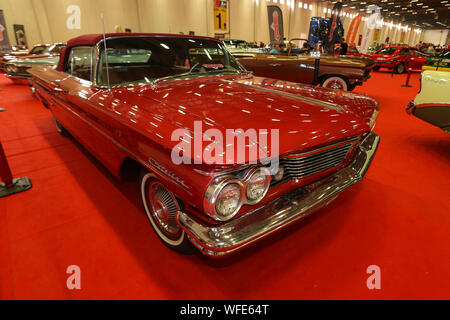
point(295, 205)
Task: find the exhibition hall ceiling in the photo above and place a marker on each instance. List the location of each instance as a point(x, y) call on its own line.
point(427, 14)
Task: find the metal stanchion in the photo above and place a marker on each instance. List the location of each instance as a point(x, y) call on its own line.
point(9, 185)
point(316, 71)
point(392, 74)
point(407, 79)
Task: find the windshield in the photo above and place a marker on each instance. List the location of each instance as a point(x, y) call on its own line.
point(134, 60)
point(56, 48)
point(237, 44)
point(388, 50)
point(39, 49)
point(445, 54)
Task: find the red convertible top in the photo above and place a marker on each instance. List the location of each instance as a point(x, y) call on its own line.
point(93, 39)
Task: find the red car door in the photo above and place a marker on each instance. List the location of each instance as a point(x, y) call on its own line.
point(418, 60)
point(405, 56)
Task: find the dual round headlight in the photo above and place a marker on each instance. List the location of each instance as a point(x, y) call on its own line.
point(226, 194)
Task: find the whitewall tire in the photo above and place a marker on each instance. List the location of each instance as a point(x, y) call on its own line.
point(161, 208)
point(335, 82)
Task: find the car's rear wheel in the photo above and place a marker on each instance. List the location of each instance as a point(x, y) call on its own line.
point(376, 69)
point(161, 208)
point(62, 131)
point(335, 82)
point(399, 68)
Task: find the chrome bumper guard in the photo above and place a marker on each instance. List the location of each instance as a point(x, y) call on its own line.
point(233, 235)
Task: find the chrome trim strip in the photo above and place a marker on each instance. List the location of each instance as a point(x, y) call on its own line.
point(17, 76)
point(321, 103)
point(229, 237)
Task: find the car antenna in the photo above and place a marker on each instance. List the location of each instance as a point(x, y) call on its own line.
point(106, 53)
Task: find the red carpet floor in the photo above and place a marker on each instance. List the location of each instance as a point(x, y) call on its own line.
point(77, 214)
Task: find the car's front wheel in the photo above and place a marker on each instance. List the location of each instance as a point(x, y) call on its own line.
point(161, 208)
point(335, 82)
point(399, 68)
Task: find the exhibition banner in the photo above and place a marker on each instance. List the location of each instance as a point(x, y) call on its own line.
point(353, 30)
point(221, 15)
point(275, 23)
point(336, 30)
point(4, 40)
point(19, 32)
point(370, 27)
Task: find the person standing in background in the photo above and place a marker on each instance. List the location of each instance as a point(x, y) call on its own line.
point(344, 47)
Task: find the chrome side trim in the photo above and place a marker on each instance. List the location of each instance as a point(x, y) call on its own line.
point(229, 237)
point(321, 103)
point(17, 76)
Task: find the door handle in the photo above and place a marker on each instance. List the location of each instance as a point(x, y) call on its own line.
point(274, 64)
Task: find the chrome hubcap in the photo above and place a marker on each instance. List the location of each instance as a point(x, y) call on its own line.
point(163, 208)
point(335, 85)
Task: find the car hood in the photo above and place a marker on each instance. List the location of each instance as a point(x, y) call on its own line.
point(304, 117)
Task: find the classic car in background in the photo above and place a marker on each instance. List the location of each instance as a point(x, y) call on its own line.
point(234, 45)
point(38, 51)
point(351, 51)
point(432, 103)
point(335, 72)
point(15, 51)
point(127, 113)
point(18, 69)
point(399, 58)
point(439, 63)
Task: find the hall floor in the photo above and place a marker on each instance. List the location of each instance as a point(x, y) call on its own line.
point(77, 213)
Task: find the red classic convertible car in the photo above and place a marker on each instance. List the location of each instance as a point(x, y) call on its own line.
point(148, 99)
point(399, 58)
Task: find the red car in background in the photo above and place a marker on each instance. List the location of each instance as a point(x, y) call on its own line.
point(399, 58)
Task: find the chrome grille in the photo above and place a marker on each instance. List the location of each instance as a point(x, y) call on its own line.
point(301, 167)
